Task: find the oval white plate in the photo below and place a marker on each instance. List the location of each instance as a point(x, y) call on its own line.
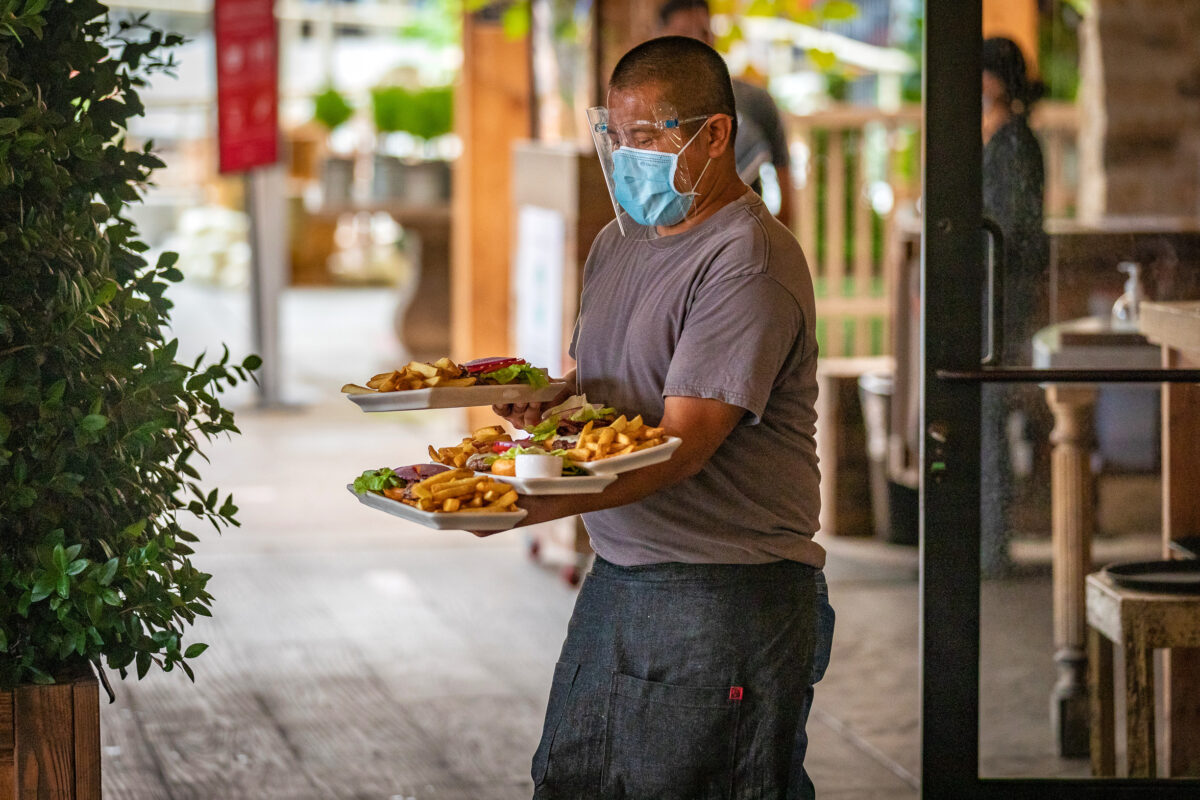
point(642, 458)
point(454, 397)
point(567, 484)
point(442, 520)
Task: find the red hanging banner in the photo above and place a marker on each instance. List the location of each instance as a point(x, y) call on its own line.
point(247, 83)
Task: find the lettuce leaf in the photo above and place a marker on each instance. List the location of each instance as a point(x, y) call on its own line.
point(519, 373)
point(376, 480)
point(589, 413)
point(544, 430)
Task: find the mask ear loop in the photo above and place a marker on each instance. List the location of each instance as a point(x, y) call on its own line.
point(700, 177)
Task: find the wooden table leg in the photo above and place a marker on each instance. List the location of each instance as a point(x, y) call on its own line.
point(1139, 706)
point(1073, 520)
point(1100, 691)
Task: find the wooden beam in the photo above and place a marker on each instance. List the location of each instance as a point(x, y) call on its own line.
point(1016, 20)
point(492, 108)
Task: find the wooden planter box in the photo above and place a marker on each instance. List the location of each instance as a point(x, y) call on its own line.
point(50, 741)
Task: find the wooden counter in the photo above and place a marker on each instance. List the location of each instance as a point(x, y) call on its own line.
point(1176, 327)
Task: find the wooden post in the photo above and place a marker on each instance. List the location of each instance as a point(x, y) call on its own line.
point(1073, 518)
point(1181, 517)
point(50, 741)
point(492, 107)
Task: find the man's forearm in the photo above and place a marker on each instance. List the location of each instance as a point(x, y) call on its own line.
point(629, 487)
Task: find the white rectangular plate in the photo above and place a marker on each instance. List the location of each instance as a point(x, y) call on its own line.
point(569, 484)
point(442, 520)
point(454, 397)
point(632, 461)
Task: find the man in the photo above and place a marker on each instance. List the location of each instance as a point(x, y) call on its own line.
point(761, 135)
point(689, 655)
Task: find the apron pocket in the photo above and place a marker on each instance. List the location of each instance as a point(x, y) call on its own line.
point(556, 706)
point(666, 741)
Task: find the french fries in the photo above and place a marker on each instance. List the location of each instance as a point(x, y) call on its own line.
point(621, 437)
point(478, 442)
point(463, 490)
point(420, 375)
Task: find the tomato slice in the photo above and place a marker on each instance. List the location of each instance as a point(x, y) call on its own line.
point(489, 364)
point(502, 447)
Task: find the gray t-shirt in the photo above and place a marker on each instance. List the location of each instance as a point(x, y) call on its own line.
point(723, 311)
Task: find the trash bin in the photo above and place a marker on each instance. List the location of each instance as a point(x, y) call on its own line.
point(893, 505)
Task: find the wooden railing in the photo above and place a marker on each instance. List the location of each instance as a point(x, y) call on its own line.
point(857, 176)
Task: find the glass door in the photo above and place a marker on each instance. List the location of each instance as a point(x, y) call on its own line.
point(1061, 191)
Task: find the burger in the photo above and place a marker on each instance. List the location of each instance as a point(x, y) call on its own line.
point(502, 460)
point(567, 419)
point(397, 483)
point(501, 371)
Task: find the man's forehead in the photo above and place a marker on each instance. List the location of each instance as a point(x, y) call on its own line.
point(641, 102)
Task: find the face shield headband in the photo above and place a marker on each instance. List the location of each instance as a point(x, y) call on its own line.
point(641, 163)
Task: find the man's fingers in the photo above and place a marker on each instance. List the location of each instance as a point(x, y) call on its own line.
point(532, 415)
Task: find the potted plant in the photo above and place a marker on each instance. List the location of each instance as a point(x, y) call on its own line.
point(389, 105)
point(423, 114)
point(331, 110)
point(99, 424)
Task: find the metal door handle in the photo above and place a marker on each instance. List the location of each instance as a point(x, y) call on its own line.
point(995, 293)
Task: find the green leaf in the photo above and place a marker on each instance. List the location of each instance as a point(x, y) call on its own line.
point(252, 362)
point(108, 571)
point(111, 597)
point(515, 21)
point(194, 650)
point(135, 529)
point(77, 566)
point(39, 677)
point(838, 10)
point(8, 125)
point(106, 293)
point(822, 59)
point(64, 586)
point(143, 664)
point(59, 559)
point(42, 588)
point(93, 422)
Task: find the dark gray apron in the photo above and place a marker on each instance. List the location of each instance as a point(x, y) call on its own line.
point(680, 681)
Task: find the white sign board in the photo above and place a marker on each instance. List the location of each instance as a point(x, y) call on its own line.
point(538, 287)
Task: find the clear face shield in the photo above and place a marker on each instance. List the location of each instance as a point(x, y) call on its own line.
point(639, 149)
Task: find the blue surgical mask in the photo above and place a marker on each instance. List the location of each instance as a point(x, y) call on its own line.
point(644, 184)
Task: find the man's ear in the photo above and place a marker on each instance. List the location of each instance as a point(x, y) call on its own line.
point(720, 127)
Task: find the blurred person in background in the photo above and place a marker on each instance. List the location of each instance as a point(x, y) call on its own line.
point(761, 137)
point(1016, 419)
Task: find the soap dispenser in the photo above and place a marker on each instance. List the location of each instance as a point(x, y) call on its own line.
point(1126, 307)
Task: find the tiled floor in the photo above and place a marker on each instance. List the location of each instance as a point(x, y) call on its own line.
point(354, 655)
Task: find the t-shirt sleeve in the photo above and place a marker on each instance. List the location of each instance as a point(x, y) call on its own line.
point(737, 336)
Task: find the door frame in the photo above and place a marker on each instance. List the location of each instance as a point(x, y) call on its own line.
point(952, 280)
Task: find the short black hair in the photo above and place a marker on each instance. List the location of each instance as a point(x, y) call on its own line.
point(1003, 58)
point(672, 6)
point(692, 75)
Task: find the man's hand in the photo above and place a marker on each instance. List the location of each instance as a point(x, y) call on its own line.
point(526, 415)
point(702, 425)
